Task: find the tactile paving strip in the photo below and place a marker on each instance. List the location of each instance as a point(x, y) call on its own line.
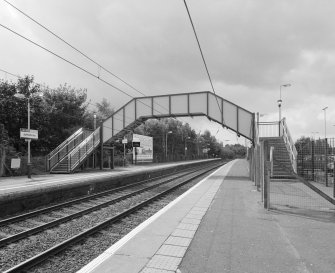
point(170, 254)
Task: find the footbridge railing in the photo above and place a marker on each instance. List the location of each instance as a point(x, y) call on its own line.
point(65, 147)
point(137, 110)
point(205, 103)
point(279, 129)
point(84, 149)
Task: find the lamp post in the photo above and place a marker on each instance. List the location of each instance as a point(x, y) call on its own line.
point(324, 109)
point(185, 146)
point(166, 135)
point(280, 100)
point(94, 128)
point(21, 96)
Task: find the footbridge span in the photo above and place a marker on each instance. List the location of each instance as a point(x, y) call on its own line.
point(72, 152)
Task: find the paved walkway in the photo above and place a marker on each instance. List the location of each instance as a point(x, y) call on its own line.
point(220, 226)
point(238, 235)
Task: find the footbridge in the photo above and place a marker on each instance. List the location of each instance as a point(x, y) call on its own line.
point(73, 151)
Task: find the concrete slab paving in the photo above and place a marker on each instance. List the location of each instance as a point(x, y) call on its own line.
point(224, 228)
point(238, 235)
point(160, 228)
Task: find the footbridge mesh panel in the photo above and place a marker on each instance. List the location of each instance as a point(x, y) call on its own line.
point(294, 194)
point(206, 103)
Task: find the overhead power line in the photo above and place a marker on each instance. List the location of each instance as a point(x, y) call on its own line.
point(74, 48)
point(17, 76)
point(202, 55)
point(79, 51)
point(69, 62)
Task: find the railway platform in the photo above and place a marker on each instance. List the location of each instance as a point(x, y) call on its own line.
point(22, 192)
point(13, 184)
point(220, 225)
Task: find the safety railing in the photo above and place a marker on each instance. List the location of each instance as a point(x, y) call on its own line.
point(65, 147)
point(289, 144)
point(279, 129)
point(80, 153)
point(269, 129)
point(61, 150)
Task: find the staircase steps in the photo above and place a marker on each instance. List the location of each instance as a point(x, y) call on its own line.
point(282, 167)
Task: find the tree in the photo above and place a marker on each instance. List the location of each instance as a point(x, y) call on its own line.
point(105, 109)
point(68, 112)
point(3, 148)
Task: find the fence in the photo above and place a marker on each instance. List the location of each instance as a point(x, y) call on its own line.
point(316, 160)
point(297, 194)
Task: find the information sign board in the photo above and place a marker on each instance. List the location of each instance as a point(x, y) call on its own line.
point(144, 151)
point(30, 134)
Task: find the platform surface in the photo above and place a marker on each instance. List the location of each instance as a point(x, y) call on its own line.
point(220, 226)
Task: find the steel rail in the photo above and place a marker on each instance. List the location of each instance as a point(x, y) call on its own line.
point(78, 200)
point(67, 243)
point(40, 228)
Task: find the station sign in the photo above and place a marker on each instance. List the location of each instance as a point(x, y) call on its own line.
point(29, 134)
point(136, 142)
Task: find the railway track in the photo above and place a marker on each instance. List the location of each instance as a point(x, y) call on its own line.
point(55, 229)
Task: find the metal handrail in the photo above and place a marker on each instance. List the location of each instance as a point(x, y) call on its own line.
point(280, 129)
point(268, 129)
point(68, 146)
point(78, 154)
point(51, 157)
point(289, 144)
point(60, 146)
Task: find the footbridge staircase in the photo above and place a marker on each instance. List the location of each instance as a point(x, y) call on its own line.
point(284, 153)
point(73, 152)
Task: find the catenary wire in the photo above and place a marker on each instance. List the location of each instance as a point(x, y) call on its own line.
point(9, 73)
point(73, 64)
point(62, 58)
point(74, 48)
point(77, 50)
point(202, 55)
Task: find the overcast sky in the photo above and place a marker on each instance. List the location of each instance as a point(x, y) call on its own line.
point(251, 48)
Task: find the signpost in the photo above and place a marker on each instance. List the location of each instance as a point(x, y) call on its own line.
point(136, 143)
point(28, 135)
point(124, 142)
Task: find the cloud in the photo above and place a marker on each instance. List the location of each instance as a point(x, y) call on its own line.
point(251, 48)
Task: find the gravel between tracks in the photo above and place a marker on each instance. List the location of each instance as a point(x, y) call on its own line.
point(82, 253)
point(15, 253)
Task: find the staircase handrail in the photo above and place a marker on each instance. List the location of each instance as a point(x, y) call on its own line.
point(64, 143)
point(76, 156)
point(289, 144)
point(268, 129)
point(67, 146)
point(58, 153)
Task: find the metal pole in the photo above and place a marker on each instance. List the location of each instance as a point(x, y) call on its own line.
point(166, 147)
point(324, 109)
point(102, 146)
point(94, 128)
point(279, 103)
point(266, 175)
point(29, 161)
point(135, 155)
point(326, 160)
point(185, 148)
point(313, 175)
point(124, 154)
